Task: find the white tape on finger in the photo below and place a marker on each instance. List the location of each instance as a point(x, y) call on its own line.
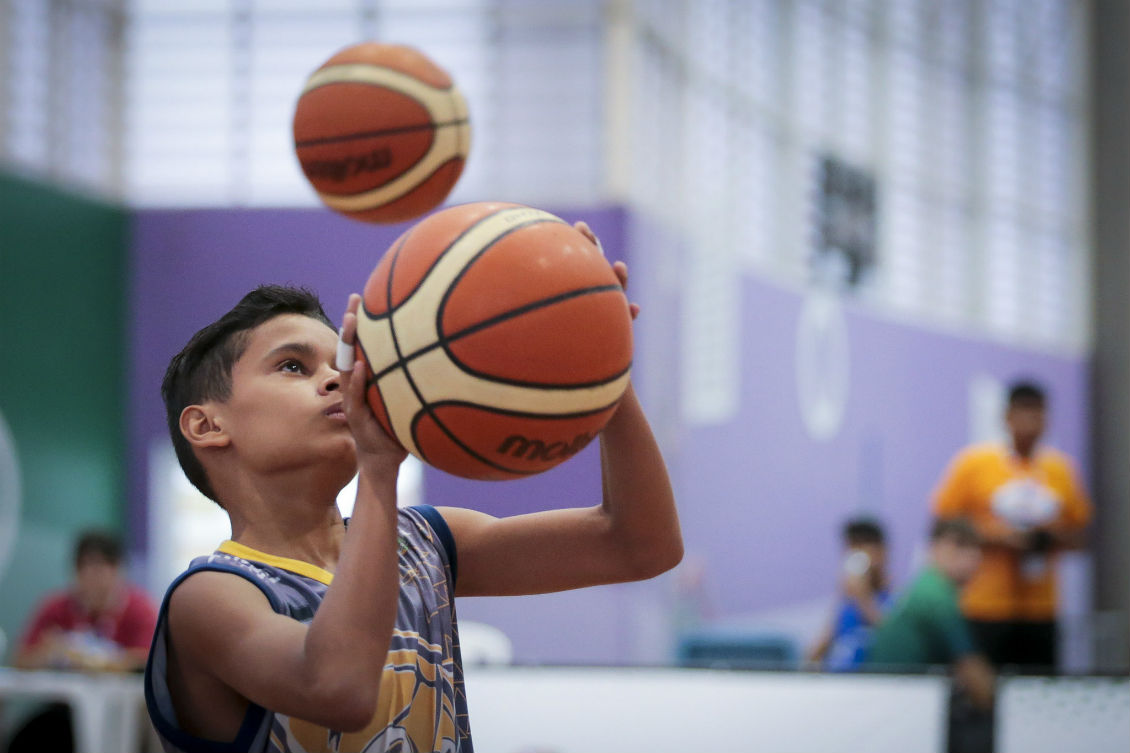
point(344, 356)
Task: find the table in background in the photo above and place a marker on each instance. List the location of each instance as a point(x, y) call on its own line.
point(106, 707)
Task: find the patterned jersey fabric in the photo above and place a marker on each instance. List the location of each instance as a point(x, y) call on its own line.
point(421, 704)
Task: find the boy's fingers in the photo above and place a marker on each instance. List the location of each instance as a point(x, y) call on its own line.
point(357, 386)
point(354, 388)
point(585, 230)
point(349, 328)
point(347, 335)
point(621, 270)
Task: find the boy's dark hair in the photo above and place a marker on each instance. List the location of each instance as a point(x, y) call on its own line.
point(858, 531)
point(101, 544)
point(202, 370)
point(959, 529)
point(1026, 394)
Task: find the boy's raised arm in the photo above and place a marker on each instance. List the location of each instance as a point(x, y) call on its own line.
point(633, 534)
point(222, 625)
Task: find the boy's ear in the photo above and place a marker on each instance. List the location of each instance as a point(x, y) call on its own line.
point(201, 427)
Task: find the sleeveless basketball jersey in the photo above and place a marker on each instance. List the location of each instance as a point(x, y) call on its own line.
point(421, 703)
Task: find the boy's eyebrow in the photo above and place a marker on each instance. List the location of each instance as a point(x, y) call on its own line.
point(305, 350)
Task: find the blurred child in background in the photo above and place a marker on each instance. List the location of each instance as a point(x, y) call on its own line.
point(864, 597)
point(100, 623)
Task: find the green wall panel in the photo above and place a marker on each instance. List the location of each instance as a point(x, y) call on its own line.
point(63, 261)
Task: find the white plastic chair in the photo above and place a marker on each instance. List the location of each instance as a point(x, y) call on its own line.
point(480, 643)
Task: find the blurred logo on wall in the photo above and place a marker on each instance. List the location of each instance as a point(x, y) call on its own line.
point(822, 364)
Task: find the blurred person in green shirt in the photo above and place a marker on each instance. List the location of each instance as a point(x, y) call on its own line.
point(926, 628)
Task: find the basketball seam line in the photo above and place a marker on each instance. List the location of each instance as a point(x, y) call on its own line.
point(478, 255)
point(390, 309)
point(390, 202)
point(455, 281)
point(443, 340)
point(382, 132)
point(516, 471)
point(307, 88)
point(370, 383)
point(526, 414)
point(467, 369)
point(416, 390)
point(400, 358)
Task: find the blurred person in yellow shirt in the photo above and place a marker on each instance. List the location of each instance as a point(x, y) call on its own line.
point(1027, 504)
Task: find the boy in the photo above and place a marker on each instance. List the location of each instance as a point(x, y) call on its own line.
point(926, 628)
point(866, 596)
point(299, 635)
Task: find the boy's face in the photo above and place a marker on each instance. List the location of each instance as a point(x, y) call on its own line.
point(96, 581)
point(958, 560)
point(284, 412)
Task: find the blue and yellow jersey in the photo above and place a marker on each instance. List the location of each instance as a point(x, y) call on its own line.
point(421, 706)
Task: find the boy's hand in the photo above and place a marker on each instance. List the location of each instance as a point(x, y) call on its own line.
point(372, 441)
point(620, 268)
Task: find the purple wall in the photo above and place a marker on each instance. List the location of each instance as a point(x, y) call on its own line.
point(760, 500)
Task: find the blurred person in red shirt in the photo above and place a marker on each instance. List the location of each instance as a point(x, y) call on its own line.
point(100, 622)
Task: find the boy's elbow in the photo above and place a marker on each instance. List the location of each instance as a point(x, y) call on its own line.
point(348, 707)
point(357, 712)
point(353, 719)
point(656, 558)
point(672, 555)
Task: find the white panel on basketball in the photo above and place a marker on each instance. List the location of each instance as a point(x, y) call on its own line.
point(402, 405)
point(446, 108)
point(446, 381)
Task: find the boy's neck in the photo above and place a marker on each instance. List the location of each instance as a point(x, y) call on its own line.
point(290, 525)
point(317, 543)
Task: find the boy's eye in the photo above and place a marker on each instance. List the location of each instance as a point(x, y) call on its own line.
point(292, 366)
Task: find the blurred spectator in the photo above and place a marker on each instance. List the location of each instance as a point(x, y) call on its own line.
point(925, 628)
point(1027, 504)
point(100, 623)
point(865, 597)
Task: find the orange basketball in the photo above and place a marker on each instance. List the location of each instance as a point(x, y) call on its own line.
point(498, 340)
point(381, 132)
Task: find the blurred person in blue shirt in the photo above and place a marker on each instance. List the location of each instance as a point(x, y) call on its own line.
point(865, 596)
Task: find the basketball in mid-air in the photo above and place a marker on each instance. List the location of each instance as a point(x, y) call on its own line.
point(381, 132)
point(498, 340)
